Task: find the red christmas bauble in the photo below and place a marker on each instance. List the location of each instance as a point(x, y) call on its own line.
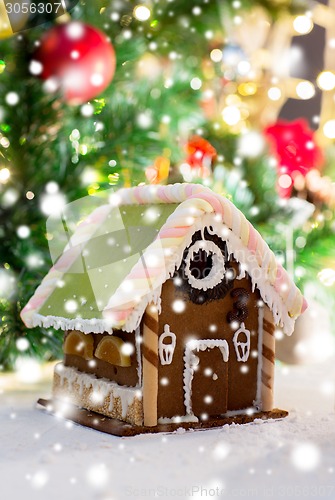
point(200, 155)
point(297, 152)
point(77, 59)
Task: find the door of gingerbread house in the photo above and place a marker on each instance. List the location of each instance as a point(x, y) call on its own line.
point(206, 371)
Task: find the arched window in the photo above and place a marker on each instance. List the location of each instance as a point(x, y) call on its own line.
point(204, 265)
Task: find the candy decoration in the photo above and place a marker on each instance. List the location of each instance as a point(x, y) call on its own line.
point(294, 146)
point(150, 365)
point(268, 361)
point(200, 155)
point(110, 350)
point(240, 311)
point(78, 60)
point(79, 344)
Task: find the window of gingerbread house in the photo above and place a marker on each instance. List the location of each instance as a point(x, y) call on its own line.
point(204, 265)
point(79, 344)
point(114, 350)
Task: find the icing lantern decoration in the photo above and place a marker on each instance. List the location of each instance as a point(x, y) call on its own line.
point(110, 350)
point(79, 344)
point(294, 145)
point(76, 59)
point(241, 342)
point(166, 350)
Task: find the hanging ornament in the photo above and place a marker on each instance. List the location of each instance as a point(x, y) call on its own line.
point(294, 145)
point(76, 59)
point(13, 17)
point(159, 171)
point(200, 155)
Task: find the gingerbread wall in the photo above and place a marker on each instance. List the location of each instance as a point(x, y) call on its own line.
point(216, 384)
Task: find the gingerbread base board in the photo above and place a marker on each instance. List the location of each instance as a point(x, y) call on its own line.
point(122, 429)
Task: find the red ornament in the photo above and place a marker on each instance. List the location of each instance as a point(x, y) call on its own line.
point(78, 60)
point(200, 155)
point(294, 145)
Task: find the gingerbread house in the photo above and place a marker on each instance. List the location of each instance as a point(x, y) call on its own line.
point(169, 299)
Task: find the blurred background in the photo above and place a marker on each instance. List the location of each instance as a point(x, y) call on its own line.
point(237, 95)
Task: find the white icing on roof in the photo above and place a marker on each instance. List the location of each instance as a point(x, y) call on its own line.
point(198, 207)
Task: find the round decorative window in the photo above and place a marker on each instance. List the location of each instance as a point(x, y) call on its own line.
point(204, 265)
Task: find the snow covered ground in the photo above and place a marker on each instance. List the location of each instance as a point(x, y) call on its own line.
point(45, 458)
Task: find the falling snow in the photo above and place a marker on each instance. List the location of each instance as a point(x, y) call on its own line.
point(7, 284)
point(22, 344)
point(127, 349)
point(305, 456)
point(71, 306)
point(178, 306)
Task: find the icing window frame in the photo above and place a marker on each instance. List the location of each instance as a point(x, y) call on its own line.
point(218, 268)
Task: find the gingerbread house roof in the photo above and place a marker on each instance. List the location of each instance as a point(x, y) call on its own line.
point(118, 258)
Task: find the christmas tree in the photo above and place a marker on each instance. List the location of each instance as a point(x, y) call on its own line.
point(196, 96)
